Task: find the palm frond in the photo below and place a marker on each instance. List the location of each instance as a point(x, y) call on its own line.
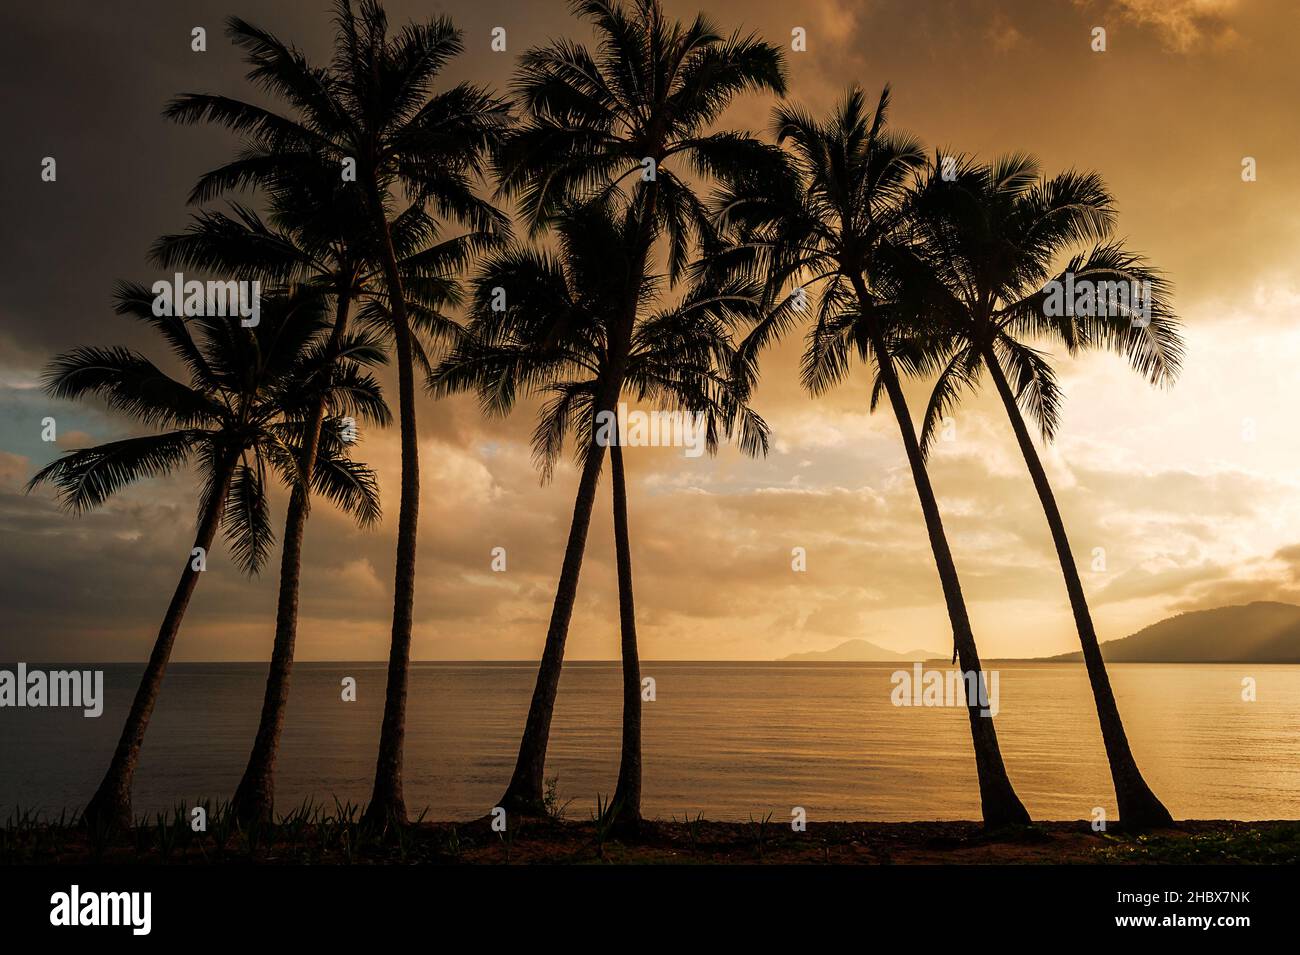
point(85, 478)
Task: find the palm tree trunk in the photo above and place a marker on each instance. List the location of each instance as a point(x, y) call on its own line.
point(254, 798)
point(627, 794)
point(387, 801)
point(998, 800)
point(110, 807)
point(1138, 805)
point(999, 803)
point(524, 793)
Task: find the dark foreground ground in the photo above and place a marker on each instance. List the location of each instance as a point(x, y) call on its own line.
point(318, 838)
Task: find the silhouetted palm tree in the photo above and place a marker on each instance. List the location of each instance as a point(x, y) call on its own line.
point(625, 807)
point(664, 369)
point(317, 237)
point(241, 412)
point(620, 121)
point(373, 115)
point(553, 339)
point(832, 220)
point(991, 236)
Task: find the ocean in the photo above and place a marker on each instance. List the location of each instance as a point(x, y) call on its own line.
point(728, 740)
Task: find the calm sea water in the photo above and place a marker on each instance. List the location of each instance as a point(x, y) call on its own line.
point(725, 739)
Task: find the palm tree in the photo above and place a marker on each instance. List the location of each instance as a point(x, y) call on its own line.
point(372, 114)
point(242, 242)
point(625, 807)
point(833, 219)
point(316, 238)
point(552, 340)
point(240, 413)
point(619, 121)
point(665, 370)
point(991, 236)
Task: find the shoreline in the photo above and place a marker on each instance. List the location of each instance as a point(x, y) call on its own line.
point(319, 839)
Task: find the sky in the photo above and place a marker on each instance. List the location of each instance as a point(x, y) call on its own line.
point(1189, 492)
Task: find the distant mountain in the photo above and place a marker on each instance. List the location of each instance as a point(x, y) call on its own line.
point(1260, 632)
point(859, 651)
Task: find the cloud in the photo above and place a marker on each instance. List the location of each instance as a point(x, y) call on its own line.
point(14, 471)
point(1182, 25)
point(1164, 577)
point(71, 440)
point(1187, 512)
point(1002, 34)
point(1272, 578)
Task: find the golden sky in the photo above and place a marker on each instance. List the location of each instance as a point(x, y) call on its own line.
point(1191, 491)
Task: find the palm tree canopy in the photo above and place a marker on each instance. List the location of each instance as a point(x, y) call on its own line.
point(989, 243)
point(373, 105)
point(243, 408)
point(824, 214)
point(550, 337)
point(649, 90)
point(280, 248)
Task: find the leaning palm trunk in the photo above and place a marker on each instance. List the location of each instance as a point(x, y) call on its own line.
point(387, 801)
point(524, 794)
point(627, 795)
point(254, 798)
point(110, 807)
point(999, 803)
point(1138, 805)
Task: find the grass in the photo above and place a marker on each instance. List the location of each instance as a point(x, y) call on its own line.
point(208, 832)
point(759, 828)
point(555, 809)
point(336, 834)
point(1267, 844)
point(694, 826)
